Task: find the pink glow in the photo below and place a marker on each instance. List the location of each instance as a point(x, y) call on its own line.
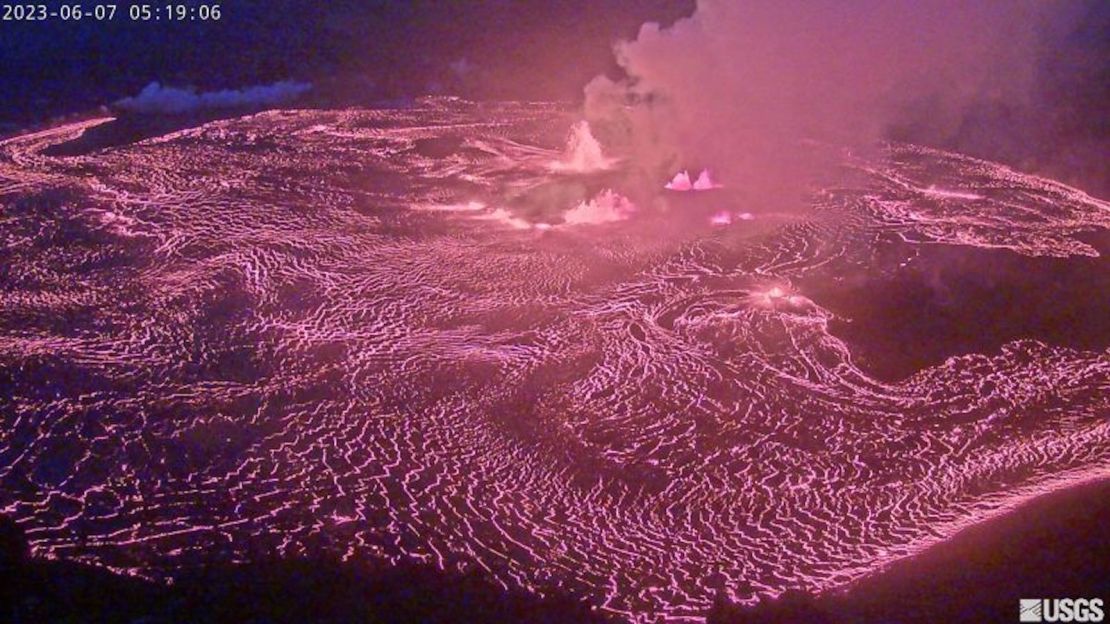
point(771, 297)
point(444, 317)
point(724, 217)
point(505, 217)
point(583, 152)
point(949, 194)
point(680, 182)
point(607, 207)
point(471, 206)
point(704, 182)
point(721, 218)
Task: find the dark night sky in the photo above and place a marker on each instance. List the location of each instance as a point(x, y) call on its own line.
point(364, 51)
point(379, 48)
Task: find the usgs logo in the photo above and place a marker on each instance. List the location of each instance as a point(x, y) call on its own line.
point(1061, 610)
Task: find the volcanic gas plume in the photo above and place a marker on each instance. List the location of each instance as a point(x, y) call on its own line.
point(746, 87)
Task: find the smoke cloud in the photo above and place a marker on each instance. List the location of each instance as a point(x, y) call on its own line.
point(155, 98)
point(755, 88)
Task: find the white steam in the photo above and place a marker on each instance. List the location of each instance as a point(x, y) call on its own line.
point(747, 84)
point(155, 98)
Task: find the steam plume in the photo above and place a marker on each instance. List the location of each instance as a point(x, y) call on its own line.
point(741, 86)
point(155, 98)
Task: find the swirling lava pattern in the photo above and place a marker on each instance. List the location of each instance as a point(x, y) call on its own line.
point(313, 331)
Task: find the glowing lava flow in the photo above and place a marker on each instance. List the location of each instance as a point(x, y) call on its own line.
point(947, 194)
point(267, 348)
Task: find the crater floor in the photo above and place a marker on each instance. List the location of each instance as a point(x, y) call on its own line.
point(340, 331)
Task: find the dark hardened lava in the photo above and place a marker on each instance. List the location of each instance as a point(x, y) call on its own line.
point(950, 300)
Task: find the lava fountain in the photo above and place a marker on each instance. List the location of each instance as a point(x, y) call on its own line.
point(583, 152)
